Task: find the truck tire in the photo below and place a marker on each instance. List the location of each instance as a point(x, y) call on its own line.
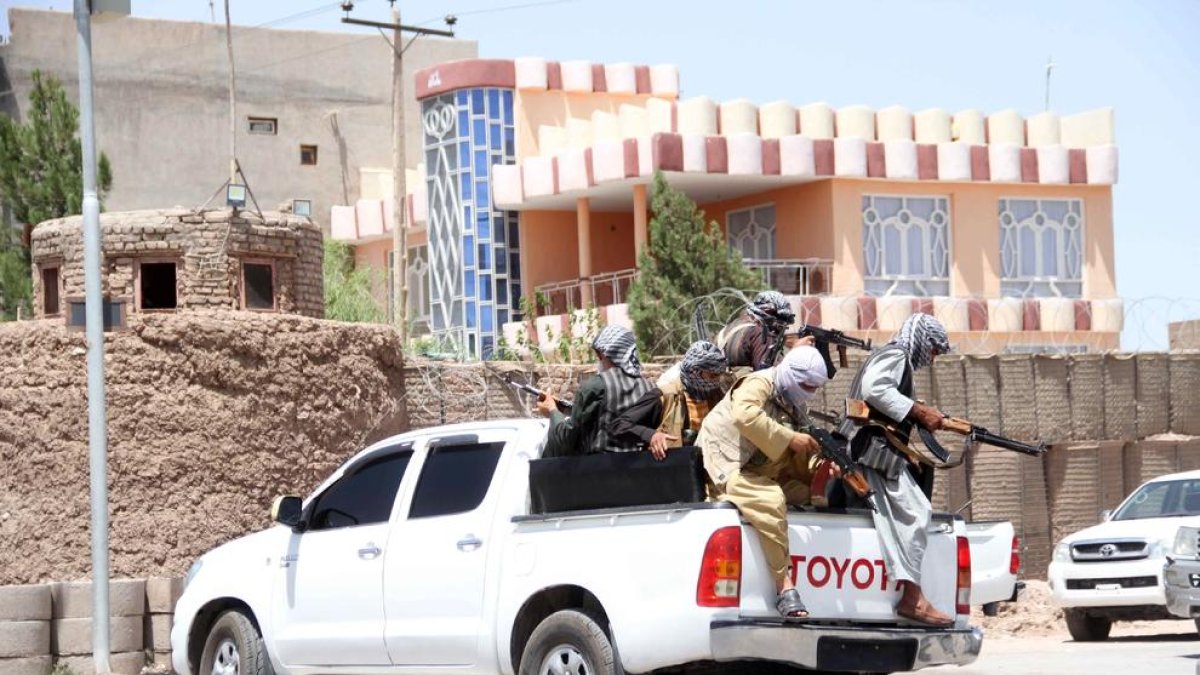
point(1084, 628)
point(567, 642)
point(1197, 622)
point(234, 647)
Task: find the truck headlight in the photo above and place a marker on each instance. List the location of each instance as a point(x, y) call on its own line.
point(1185, 543)
point(1062, 552)
point(192, 572)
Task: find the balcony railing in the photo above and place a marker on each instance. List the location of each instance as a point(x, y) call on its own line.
point(795, 276)
point(806, 276)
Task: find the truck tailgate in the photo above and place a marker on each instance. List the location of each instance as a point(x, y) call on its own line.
point(839, 569)
point(991, 554)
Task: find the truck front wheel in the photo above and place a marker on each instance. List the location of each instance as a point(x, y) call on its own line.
point(1084, 628)
point(234, 647)
point(567, 642)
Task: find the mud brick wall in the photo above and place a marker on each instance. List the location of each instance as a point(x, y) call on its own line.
point(207, 248)
point(210, 415)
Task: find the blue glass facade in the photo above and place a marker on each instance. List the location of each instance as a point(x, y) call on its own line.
point(474, 261)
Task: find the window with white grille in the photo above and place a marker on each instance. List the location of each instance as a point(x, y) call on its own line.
point(751, 232)
point(906, 245)
point(1041, 247)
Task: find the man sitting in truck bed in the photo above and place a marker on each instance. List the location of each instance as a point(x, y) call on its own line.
point(748, 443)
point(599, 400)
point(670, 415)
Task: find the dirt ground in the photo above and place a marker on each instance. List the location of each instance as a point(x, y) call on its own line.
point(1034, 615)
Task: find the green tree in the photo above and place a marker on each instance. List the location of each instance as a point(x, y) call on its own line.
point(41, 177)
point(348, 289)
point(686, 258)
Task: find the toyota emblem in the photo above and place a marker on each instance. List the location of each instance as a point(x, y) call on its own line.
point(1108, 550)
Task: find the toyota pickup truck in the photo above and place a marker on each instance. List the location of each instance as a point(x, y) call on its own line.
point(1114, 571)
point(421, 553)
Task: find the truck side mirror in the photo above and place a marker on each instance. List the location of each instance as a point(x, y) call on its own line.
point(286, 510)
point(1106, 515)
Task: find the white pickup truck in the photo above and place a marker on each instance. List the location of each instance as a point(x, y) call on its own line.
point(420, 554)
point(1114, 571)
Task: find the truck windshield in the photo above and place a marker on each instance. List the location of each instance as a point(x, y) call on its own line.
point(1162, 500)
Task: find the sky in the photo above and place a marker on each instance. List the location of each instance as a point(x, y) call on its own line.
point(1141, 58)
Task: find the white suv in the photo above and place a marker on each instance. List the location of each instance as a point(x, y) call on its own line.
point(1114, 571)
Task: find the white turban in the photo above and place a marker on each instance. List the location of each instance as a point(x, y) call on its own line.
point(802, 365)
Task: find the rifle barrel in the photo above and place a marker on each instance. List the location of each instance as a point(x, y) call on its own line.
point(984, 436)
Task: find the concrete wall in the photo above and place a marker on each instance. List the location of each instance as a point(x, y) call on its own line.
point(1185, 334)
point(162, 107)
point(206, 247)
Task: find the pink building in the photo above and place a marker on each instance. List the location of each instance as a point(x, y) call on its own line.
point(536, 179)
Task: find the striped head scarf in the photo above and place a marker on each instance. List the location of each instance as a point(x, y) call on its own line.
point(920, 335)
point(618, 344)
point(772, 310)
point(702, 357)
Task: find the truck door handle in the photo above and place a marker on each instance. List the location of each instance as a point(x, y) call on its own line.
point(470, 543)
point(371, 552)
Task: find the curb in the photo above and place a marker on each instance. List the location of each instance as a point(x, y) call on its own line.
point(25, 603)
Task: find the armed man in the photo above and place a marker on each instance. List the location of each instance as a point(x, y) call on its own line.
point(749, 341)
point(600, 399)
point(880, 444)
point(750, 442)
point(670, 415)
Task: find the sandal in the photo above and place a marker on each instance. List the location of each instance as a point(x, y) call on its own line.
point(790, 606)
point(924, 613)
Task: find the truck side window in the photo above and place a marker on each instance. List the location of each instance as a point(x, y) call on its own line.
point(363, 496)
point(455, 479)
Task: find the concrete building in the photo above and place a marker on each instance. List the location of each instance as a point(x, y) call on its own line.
point(537, 176)
point(313, 107)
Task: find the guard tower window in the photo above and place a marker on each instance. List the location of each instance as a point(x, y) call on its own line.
point(308, 155)
point(264, 125)
point(50, 291)
point(156, 285)
point(258, 285)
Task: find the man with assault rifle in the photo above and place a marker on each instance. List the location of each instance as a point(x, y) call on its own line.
point(882, 411)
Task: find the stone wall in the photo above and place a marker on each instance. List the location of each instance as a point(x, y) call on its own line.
point(210, 416)
point(207, 247)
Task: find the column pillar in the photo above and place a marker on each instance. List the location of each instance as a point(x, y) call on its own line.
point(640, 230)
point(583, 228)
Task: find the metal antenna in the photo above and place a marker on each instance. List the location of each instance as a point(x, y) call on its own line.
point(1049, 69)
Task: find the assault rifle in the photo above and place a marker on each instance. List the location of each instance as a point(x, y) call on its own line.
point(861, 412)
point(823, 338)
point(564, 407)
point(836, 448)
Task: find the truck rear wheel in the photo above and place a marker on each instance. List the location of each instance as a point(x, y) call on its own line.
point(234, 647)
point(1084, 628)
point(567, 642)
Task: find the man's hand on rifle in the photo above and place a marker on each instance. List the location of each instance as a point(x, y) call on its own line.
point(803, 443)
point(793, 340)
point(659, 442)
point(546, 404)
point(927, 416)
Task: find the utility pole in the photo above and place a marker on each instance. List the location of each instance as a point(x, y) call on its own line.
point(232, 99)
point(94, 314)
point(400, 222)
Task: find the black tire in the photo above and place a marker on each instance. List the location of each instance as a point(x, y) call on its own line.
point(1197, 622)
point(991, 609)
point(576, 639)
point(233, 643)
point(1084, 628)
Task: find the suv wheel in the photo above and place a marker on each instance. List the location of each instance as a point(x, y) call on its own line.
point(234, 647)
point(1085, 628)
point(567, 642)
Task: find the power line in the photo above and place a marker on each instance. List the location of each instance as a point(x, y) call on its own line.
point(506, 8)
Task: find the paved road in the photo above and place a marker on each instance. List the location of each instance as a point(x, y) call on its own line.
point(1165, 654)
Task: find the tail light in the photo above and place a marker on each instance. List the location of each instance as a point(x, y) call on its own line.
point(720, 583)
point(1014, 563)
point(962, 597)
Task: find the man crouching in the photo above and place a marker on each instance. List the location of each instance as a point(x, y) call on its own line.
point(749, 440)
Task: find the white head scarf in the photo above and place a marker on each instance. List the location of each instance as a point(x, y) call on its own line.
point(802, 365)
